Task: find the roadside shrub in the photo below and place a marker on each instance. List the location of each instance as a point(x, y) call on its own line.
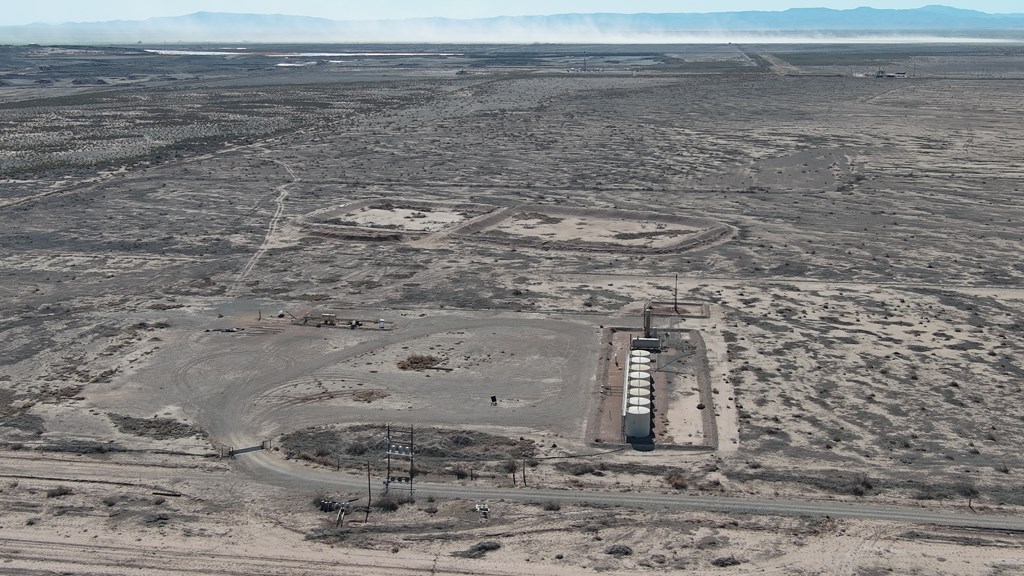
point(676, 480)
point(967, 489)
point(861, 485)
point(386, 503)
point(392, 502)
point(714, 484)
point(321, 460)
point(576, 468)
point(929, 492)
point(552, 506)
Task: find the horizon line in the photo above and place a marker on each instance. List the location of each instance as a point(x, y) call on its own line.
point(325, 18)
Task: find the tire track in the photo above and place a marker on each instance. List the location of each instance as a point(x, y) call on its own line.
point(282, 195)
point(36, 556)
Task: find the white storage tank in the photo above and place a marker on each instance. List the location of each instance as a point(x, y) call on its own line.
point(637, 360)
point(639, 401)
point(638, 422)
point(637, 375)
point(639, 393)
point(639, 383)
point(640, 353)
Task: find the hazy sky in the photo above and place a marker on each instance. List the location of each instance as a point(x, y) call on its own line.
point(27, 11)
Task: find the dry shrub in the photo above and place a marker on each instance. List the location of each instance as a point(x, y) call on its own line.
point(619, 550)
point(576, 468)
point(58, 492)
point(418, 362)
point(321, 460)
point(478, 550)
point(392, 501)
point(676, 480)
point(710, 486)
point(368, 396)
point(386, 504)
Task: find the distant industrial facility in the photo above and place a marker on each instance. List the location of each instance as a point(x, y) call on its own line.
point(638, 383)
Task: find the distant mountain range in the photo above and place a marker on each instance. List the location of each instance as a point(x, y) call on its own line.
point(271, 28)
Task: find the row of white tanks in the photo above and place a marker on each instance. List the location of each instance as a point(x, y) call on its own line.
point(636, 409)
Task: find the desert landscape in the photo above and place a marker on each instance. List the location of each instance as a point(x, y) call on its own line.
point(368, 309)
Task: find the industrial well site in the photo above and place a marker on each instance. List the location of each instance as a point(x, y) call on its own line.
point(726, 309)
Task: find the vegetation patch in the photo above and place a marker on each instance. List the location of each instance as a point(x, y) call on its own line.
point(156, 428)
point(351, 445)
point(58, 492)
point(619, 550)
point(418, 362)
point(20, 419)
point(478, 550)
point(392, 502)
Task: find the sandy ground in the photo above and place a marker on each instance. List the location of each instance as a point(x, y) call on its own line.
point(655, 235)
point(863, 340)
point(206, 523)
point(407, 219)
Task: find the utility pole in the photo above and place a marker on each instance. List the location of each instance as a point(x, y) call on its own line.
point(675, 297)
point(369, 493)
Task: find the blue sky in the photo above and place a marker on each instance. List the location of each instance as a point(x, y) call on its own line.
point(24, 12)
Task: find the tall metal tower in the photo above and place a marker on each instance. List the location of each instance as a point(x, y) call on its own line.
point(401, 446)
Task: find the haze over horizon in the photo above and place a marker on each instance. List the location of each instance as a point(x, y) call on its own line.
point(68, 11)
point(933, 23)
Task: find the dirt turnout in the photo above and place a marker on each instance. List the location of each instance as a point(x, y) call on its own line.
point(175, 235)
